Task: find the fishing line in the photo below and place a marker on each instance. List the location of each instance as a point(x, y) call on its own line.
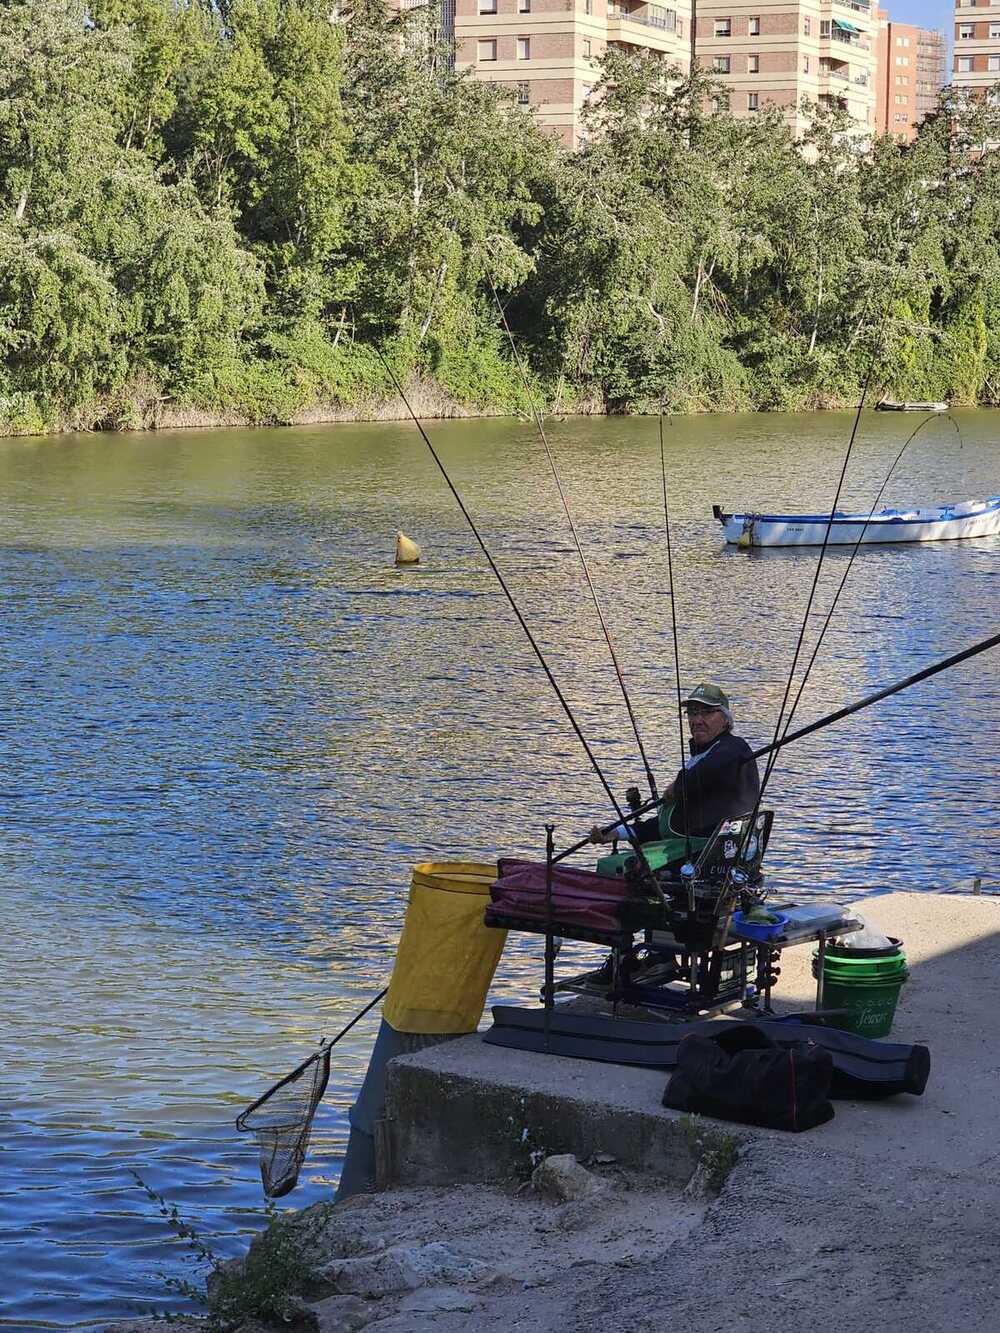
point(509, 595)
point(576, 538)
point(673, 622)
point(850, 562)
point(819, 565)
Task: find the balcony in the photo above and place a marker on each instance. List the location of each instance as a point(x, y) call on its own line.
point(650, 16)
point(852, 40)
point(858, 6)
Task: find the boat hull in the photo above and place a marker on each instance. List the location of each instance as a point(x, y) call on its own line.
point(849, 529)
point(889, 406)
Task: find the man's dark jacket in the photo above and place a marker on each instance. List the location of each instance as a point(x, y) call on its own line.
point(720, 786)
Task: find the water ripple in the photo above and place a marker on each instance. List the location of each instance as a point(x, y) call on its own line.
point(230, 727)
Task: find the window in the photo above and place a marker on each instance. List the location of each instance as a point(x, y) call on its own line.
point(753, 26)
point(752, 101)
point(487, 48)
point(824, 27)
point(993, 62)
point(487, 6)
point(680, 27)
point(721, 65)
point(723, 27)
point(524, 48)
point(524, 6)
point(523, 94)
point(902, 60)
point(586, 48)
point(805, 64)
point(900, 101)
point(906, 41)
point(963, 64)
point(966, 31)
point(994, 31)
point(716, 105)
point(806, 27)
point(753, 66)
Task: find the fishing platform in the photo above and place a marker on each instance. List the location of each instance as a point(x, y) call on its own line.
point(468, 1110)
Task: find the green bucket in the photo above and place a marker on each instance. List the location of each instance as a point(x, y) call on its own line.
point(866, 984)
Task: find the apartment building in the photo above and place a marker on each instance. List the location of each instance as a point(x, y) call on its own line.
point(547, 50)
point(765, 52)
point(911, 71)
point(977, 45)
point(779, 52)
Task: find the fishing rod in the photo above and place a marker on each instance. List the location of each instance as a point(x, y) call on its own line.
point(523, 623)
point(857, 546)
point(321, 1053)
point(925, 674)
point(576, 537)
point(673, 622)
point(773, 748)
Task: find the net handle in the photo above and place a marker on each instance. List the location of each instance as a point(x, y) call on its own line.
point(324, 1050)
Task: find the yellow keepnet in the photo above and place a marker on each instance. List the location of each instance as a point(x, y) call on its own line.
point(446, 956)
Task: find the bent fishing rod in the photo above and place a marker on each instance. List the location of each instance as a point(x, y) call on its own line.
point(524, 625)
point(536, 416)
point(854, 551)
point(773, 748)
point(925, 674)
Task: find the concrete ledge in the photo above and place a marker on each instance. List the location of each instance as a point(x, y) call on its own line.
point(470, 1112)
point(465, 1112)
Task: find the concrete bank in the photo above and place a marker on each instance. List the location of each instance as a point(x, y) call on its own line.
point(465, 1111)
point(884, 1219)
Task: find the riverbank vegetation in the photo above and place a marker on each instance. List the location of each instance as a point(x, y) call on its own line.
point(224, 210)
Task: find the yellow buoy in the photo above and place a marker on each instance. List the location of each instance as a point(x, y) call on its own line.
point(407, 550)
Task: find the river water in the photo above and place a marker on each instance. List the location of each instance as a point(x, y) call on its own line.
point(229, 727)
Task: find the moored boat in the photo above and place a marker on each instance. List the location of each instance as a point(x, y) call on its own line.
point(970, 518)
point(891, 405)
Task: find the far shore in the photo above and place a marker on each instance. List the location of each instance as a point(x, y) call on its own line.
point(428, 402)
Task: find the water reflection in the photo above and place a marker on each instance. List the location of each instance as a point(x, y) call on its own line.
point(230, 727)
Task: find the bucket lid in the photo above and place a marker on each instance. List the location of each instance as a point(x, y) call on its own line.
point(844, 951)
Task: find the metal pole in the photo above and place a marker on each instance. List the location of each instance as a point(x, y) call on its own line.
point(550, 953)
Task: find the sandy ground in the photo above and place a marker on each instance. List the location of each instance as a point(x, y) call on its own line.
point(794, 1242)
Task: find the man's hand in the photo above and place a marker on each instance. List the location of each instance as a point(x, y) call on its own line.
point(597, 834)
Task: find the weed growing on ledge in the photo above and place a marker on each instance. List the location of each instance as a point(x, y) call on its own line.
point(716, 1151)
point(265, 1286)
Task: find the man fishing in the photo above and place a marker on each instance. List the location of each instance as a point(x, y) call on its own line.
point(719, 781)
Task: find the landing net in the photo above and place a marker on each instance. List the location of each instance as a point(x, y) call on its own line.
point(281, 1122)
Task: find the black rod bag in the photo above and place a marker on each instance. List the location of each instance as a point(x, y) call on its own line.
point(740, 1073)
point(863, 1069)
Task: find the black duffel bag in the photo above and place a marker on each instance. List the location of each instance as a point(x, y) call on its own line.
point(744, 1075)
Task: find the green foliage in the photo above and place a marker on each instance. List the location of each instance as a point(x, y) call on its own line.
point(236, 206)
point(716, 1152)
point(267, 1285)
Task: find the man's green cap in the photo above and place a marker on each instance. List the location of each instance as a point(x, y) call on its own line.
point(709, 695)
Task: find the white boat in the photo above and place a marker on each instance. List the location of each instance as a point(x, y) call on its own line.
point(890, 405)
point(970, 518)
